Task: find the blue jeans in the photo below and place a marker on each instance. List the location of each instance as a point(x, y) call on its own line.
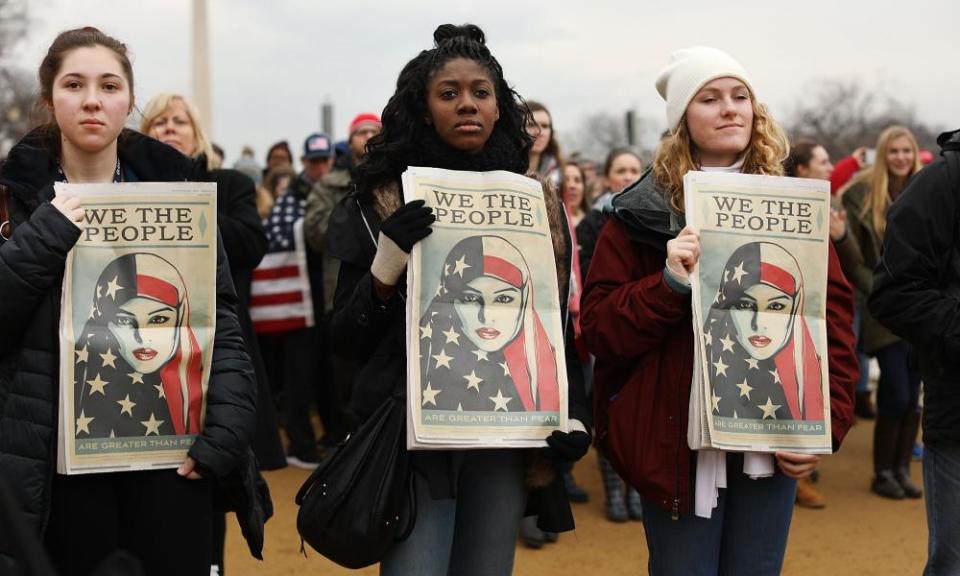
point(863, 385)
point(474, 534)
point(941, 482)
point(746, 534)
point(898, 390)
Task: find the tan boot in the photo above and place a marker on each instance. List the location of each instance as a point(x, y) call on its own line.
point(808, 496)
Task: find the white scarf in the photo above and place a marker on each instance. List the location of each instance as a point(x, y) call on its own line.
point(712, 464)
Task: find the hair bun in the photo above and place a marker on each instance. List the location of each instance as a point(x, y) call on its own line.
point(446, 32)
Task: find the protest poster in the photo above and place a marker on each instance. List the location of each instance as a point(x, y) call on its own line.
point(761, 379)
point(485, 337)
point(137, 325)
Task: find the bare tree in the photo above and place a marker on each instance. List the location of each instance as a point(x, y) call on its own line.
point(843, 115)
point(16, 86)
point(13, 25)
point(597, 134)
point(17, 96)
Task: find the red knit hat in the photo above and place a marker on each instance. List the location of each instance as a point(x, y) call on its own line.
point(364, 118)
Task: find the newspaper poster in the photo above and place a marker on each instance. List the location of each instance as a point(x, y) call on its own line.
point(759, 304)
point(483, 314)
point(137, 325)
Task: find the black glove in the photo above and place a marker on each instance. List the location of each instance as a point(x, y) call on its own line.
point(568, 446)
point(409, 224)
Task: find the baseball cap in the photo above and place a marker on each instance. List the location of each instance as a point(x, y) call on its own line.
point(317, 145)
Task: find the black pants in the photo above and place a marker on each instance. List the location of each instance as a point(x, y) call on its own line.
point(292, 360)
point(157, 516)
point(333, 389)
point(898, 391)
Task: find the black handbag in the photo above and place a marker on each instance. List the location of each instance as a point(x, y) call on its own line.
point(361, 502)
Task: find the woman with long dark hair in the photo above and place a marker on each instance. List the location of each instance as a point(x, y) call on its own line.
point(452, 109)
point(86, 82)
point(545, 158)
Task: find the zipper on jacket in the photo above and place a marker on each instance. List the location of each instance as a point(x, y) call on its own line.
point(675, 513)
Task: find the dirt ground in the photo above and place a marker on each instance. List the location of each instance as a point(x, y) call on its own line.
point(857, 533)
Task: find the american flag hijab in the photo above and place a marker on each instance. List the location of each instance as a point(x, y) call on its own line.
point(785, 385)
point(112, 398)
point(456, 373)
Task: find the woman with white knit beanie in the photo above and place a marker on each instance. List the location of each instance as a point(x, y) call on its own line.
point(705, 512)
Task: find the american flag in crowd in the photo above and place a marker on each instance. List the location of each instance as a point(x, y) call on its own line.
point(280, 298)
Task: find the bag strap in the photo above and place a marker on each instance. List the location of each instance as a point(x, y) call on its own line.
point(6, 227)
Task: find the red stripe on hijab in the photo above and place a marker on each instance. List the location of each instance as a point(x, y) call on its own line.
point(494, 266)
point(157, 289)
point(777, 277)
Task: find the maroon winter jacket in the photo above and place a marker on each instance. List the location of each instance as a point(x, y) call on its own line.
point(640, 331)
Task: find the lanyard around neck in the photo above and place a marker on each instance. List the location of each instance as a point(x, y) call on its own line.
point(117, 176)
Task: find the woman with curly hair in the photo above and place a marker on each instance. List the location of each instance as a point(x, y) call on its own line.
point(452, 109)
point(637, 322)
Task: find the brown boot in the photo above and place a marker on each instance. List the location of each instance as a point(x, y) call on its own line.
point(808, 496)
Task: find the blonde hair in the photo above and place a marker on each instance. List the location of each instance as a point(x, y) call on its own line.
point(766, 151)
point(877, 178)
point(160, 104)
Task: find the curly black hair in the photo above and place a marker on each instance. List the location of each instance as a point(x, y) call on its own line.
point(395, 148)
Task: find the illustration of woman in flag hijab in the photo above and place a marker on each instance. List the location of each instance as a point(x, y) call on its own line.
point(138, 364)
point(762, 358)
point(483, 347)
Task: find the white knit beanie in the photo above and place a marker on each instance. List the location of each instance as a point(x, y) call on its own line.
point(688, 71)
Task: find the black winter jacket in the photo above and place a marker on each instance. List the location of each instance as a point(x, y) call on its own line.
point(373, 335)
point(245, 243)
point(31, 274)
point(916, 286)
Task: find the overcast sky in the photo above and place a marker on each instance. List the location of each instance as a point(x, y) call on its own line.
point(274, 62)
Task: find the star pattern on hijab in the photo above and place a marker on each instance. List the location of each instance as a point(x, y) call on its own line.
point(458, 375)
point(111, 398)
point(112, 395)
point(743, 386)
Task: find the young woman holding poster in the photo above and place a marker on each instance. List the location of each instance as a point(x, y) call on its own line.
point(866, 200)
point(452, 109)
point(637, 321)
point(86, 83)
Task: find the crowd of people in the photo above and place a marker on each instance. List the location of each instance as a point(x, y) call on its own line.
point(311, 318)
